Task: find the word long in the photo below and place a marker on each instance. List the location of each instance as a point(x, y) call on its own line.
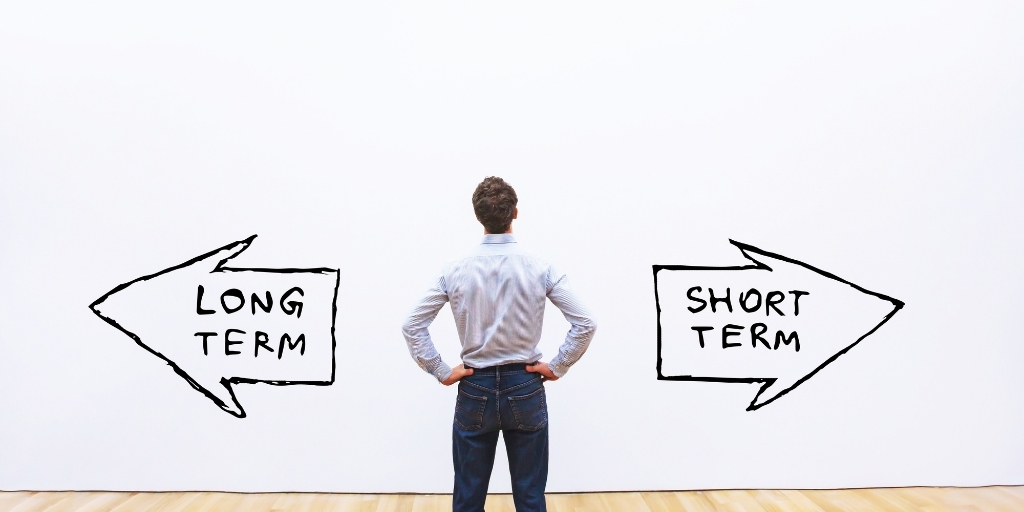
point(233, 300)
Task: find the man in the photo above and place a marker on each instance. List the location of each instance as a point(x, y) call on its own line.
point(497, 296)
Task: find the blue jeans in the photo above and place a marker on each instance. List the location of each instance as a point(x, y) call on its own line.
point(510, 400)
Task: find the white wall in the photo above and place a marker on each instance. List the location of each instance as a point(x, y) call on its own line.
point(877, 141)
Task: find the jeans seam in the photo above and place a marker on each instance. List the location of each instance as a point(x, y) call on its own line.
point(518, 386)
point(481, 388)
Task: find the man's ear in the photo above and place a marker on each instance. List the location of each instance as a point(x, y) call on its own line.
point(515, 213)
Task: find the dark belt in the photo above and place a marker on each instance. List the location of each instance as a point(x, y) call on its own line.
point(510, 367)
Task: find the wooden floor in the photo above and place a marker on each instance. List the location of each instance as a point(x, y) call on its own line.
point(929, 499)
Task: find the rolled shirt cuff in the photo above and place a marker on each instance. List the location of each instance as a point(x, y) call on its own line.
point(442, 371)
point(558, 368)
point(436, 367)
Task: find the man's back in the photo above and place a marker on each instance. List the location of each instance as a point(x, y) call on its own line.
point(497, 296)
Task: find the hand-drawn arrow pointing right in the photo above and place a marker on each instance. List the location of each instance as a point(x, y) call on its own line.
point(776, 321)
point(217, 326)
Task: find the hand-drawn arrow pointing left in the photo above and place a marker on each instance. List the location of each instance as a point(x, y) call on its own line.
point(217, 326)
point(775, 321)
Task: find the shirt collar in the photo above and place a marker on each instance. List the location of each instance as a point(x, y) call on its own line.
point(504, 238)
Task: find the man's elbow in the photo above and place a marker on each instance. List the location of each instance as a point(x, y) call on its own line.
point(409, 329)
point(587, 326)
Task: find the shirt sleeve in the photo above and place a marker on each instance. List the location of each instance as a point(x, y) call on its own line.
point(417, 335)
point(583, 326)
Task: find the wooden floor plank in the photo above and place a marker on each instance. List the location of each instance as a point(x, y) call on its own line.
point(924, 499)
point(1013, 495)
point(994, 500)
point(775, 501)
point(179, 501)
point(60, 502)
point(34, 502)
point(432, 503)
point(659, 501)
point(891, 499)
point(739, 501)
point(801, 502)
point(9, 499)
point(97, 501)
point(1015, 491)
point(697, 501)
point(57, 502)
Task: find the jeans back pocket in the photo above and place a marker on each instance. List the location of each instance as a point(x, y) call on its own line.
point(469, 411)
point(530, 410)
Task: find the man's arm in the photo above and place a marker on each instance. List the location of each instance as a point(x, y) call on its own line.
point(417, 335)
point(583, 326)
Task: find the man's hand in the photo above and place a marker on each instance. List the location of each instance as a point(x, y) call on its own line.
point(458, 373)
point(542, 368)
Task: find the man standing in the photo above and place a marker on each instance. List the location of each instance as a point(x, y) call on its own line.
point(497, 296)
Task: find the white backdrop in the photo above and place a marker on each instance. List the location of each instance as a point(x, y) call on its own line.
point(880, 141)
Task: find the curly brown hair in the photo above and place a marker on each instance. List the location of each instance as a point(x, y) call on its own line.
point(494, 203)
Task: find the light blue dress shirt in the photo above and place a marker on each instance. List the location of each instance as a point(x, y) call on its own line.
point(498, 296)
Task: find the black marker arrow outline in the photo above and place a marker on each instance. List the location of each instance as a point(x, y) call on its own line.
point(757, 265)
point(226, 381)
